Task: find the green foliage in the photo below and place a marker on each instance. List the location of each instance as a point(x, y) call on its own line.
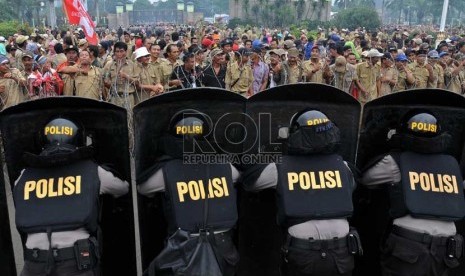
point(8, 28)
point(143, 5)
point(237, 22)
point(358, 17)
point(7, 12)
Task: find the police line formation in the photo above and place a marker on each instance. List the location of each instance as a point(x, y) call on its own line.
point(336, 191)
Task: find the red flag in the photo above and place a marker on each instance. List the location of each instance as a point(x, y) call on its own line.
point(77, 15)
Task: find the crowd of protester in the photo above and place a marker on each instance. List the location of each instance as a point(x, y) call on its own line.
point(131, 65)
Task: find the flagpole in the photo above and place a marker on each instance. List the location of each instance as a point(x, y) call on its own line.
point(444, 15)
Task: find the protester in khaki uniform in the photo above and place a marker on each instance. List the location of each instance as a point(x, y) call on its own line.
point(239, 75)
point(72, 55)
point(87, 78)
point(11, 83)
point(104, 53)
point(457, 76)
point(342, 74)
point(368, 74)
point(293, 64)
point(173, 61)
point(120, 78)
point(446, 63)
point(21, 43)
point(387, 76)
point(312, 69)
point(129, 42)
point(438, 82)
point(149, 81)
point(405, 77)
point(422, 71)
point(160, 65)
point(279, 73)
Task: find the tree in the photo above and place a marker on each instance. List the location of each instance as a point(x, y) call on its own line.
point(7, 12)
point(358, 17)
point(143, 5)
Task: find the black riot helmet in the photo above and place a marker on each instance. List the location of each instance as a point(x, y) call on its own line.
point(62, 131)
point(312, 132)
point(185, 126)
point(189, 123)
point(421, 124)
point(311, 118)
point(420, 132)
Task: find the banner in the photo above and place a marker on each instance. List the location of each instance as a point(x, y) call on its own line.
point(77, 15)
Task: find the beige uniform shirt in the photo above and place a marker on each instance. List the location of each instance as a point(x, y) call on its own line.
point(88, 85)
point(129, 50)
point(421, 75)
point(456, 82)
point(307, 67)
point(168, 68)
point(111, 71)
point(163, 71)
point(367, 76)
point(295, 74)
point(344, 80)
point(438, 77)
point(19, 60)
point(402, 83)
point(105, 59)
point(238, 79)
point(121, 90)
point(148, 75)
point(389, 74)
point(13, 93)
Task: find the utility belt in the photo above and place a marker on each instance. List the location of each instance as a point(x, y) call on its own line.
point(351, 242)
point(85, 252)
point(453, 244)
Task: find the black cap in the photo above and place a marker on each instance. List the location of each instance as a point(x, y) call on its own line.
point(392, 49)
point(244, 52)
point(226, 41)
point(71, 48)
point(387, 55)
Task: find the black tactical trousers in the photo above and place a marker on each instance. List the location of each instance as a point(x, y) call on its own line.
point(408, 253)
point(68, 268)
point(317, 257)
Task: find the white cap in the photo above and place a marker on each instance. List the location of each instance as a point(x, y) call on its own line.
point(141, 52)
point(374, 53)
point(2, 39)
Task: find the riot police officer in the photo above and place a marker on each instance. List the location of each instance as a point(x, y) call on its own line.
point(426, 197)
point(57, 205)
point(314, 196)
point(199, 202)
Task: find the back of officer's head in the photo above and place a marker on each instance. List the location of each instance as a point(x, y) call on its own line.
point(62, 133)
point(420, 131)
point(312, 132)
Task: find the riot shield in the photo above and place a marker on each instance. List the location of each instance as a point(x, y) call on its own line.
point(379, 117)
point(7, 260)
point(151, 121)
point(259, 237)
point(274, 108)
point(106, 124)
